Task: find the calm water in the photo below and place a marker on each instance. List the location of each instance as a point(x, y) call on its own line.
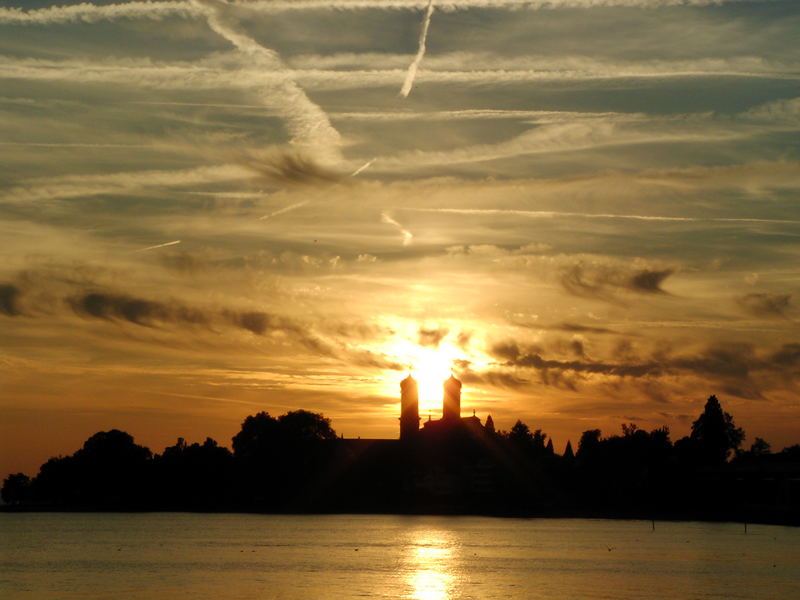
point(165, 556)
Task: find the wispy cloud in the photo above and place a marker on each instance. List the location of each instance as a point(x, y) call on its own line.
point(564, 137)
point(742, 369)
point(602, 281)
point(70, 186)
point(86, 12)
point(764, 304)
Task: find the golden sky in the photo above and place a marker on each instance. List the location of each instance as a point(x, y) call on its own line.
point(587, 210)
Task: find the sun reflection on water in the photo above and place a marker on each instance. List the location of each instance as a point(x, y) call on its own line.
point(429, 567)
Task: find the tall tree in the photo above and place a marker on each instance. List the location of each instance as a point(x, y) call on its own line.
point(715, 433)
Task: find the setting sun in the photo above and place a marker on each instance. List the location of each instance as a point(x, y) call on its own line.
point(430, 370)
point(430, 364)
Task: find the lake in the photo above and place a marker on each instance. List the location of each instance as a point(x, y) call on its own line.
point(159, 556)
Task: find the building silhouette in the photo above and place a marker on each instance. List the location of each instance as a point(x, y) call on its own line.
point(451, 404)
point(409, 408)
point(451, 410)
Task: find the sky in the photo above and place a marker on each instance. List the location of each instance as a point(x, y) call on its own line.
point(587, 209)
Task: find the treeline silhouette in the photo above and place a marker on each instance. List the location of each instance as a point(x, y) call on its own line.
point(296, 463)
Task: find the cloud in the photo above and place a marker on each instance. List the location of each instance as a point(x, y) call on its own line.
point(578, 348)
point(765, 305)
point(259, 323)
point(86, 12)
point(150, 313)
point(146, 313)
point(735, 360)
point(494, 378)
point(737, 368)
point(602, 281)
point(788, 355)
point(530, 357)
point(9, 300)
point(562, 137)
point(576, 328)
point(292, 167)
point(53, 295)
point(780, 110)
point(432, 337)
point(649, 281)
point(70, 186)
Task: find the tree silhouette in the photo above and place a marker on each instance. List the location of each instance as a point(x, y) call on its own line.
point(296, 463)
point(110, 468)
point(568, 453)
point(589, 443)
point(256, 438)
point(196, 476)
point(16, 488)
point(715, 433)
point(306, 426)
point(276, 457)
point(760, 447)
point(520, 434)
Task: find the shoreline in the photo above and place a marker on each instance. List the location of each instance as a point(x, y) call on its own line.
point(786, 519)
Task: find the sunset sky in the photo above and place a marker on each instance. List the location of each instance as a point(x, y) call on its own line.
point(588, 209)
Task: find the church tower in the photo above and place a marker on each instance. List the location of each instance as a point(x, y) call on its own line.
point(451, 405)
point(409, 408)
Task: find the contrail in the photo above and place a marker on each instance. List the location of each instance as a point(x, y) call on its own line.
point(283, 210)
point(362, 167)
point(549, 214)
point(412, 68)
point(407, 235)
point(86, 12)
point(307, 123)
point(172, 243)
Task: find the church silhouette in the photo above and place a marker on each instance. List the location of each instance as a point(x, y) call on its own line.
point(451, 411)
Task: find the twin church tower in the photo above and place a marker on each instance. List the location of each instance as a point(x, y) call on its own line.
point(451, 408)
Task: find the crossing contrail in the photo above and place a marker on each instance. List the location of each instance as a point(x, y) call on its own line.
point(423, 37)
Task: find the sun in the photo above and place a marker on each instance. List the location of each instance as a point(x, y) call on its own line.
point(431, 368)
point(429, 365)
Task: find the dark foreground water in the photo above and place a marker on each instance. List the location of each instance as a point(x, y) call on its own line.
point(198, 556)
